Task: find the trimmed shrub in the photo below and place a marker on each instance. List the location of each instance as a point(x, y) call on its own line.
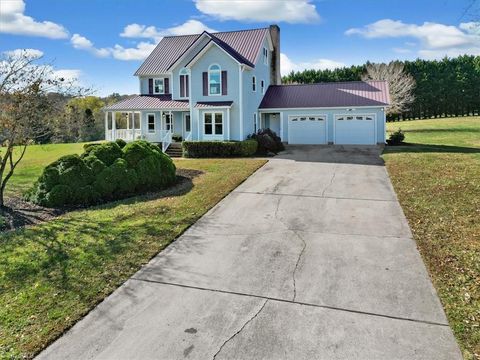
point(268, 141)
point(121, 143)
point(396, 138)
point(103, 172)
point(107, 152)
point(249, 147)
point(199, 149)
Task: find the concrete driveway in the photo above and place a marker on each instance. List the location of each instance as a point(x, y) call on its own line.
point(310, 258)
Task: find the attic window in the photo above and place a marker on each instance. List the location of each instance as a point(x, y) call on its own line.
point(265, 56)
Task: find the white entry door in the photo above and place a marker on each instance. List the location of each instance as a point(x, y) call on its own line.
point(307, 129)
point(355, 129)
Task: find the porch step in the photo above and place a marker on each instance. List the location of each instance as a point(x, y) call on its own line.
point(174, 150)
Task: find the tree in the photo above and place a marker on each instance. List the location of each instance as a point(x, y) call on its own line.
point(401, 84)
point(27, 107)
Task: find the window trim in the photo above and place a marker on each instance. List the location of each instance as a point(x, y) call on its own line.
point(163, 86)
point(262, 86)
point(219, 71)
point(213, 113)
point(254, 83)
point(154, 123)
point(265, 56)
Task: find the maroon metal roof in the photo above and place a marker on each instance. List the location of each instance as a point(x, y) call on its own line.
point(334, 94)
point(149, 102)
point(243, 45)
point(209, 104)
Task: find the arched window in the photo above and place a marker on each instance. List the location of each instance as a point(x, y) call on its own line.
point(214, 80)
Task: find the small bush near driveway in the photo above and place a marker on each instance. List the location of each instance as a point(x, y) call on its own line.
point(212, 149)
point(268, 141)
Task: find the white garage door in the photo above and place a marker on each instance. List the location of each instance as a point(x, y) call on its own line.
point(307, 129)
point(355, 129)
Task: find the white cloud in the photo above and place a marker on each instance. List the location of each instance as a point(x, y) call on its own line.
point(14, 21)
point(436, 40)
point(31, 53)
point(151, 32)
point(140, 52)
point(143, 48)
point(290, 11)
point(402, 50)
point(67, 74)
point(80, 42)
point(287, 65)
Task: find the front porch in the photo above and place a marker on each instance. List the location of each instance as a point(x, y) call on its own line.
point(156, 126)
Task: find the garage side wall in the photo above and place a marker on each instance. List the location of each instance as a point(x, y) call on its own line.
point(330, 114)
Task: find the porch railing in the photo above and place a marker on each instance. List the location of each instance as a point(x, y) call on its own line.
point(124, 134)
point(166, 138)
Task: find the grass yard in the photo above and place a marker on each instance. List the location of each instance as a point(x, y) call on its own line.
point(437, 180)
point(35, 159)
point(54, 273)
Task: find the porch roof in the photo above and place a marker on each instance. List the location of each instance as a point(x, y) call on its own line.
point(149, 102)
point(213, 104)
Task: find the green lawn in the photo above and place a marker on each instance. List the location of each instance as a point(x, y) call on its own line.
point(31, 166)
point(54, 273)
point(437, 179)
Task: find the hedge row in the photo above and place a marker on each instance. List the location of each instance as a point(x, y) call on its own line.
point(103, 172)
point(199, 149)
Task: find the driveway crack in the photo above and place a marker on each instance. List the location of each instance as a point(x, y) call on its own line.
point(297, 263)
point(331, 181)
point(241, 329)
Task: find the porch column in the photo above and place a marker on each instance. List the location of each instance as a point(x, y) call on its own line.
point(114, 126)
point(171, 121)
point(161, 120)
point(281, 125)
point(140, 115)
point(228, 124)
point(106, 125)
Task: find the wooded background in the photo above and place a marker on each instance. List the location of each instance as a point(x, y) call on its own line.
point(447, 87)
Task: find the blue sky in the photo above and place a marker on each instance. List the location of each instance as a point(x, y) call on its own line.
point(102, 42)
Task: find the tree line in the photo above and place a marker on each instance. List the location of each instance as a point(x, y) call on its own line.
point(446, 87)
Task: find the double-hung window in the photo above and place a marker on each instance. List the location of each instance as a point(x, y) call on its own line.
point(184, 83)
point(158, 86)
point(214, 80)
point(262, 85)
point(254, 83)
point(213, 123)
point(151, 123)
point(265, 56)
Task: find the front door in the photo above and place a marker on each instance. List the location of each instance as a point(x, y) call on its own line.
point(168, 122)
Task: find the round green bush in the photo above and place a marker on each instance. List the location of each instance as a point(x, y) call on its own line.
point(107, 152)
point(103, 172)
point(121, 143)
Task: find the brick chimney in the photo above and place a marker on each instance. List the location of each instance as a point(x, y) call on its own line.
point(275, 77)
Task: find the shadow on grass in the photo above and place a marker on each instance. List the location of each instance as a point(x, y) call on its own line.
point(79, 252)
point(427, 148)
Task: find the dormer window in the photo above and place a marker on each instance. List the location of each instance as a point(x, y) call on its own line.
point(158, 86)
point(265, 56)
point(214, 80)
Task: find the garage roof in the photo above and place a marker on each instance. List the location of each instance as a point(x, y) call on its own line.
point(333, 94)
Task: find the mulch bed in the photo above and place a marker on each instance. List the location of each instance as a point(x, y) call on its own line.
point(20, 213)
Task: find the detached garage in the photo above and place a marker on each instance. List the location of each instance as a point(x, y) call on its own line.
point(327, 113)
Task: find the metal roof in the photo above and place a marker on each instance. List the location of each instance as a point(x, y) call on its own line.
point(334, 94)
point(243, 45)
point(149, 102)
point(210, 104)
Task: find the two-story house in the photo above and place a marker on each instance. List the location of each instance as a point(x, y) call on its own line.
point(226, 85)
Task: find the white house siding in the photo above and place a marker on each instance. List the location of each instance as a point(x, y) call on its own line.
point(215, 55)
point(330, 114)
point(252, 99)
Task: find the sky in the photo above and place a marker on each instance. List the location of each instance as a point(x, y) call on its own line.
point(102, 42)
